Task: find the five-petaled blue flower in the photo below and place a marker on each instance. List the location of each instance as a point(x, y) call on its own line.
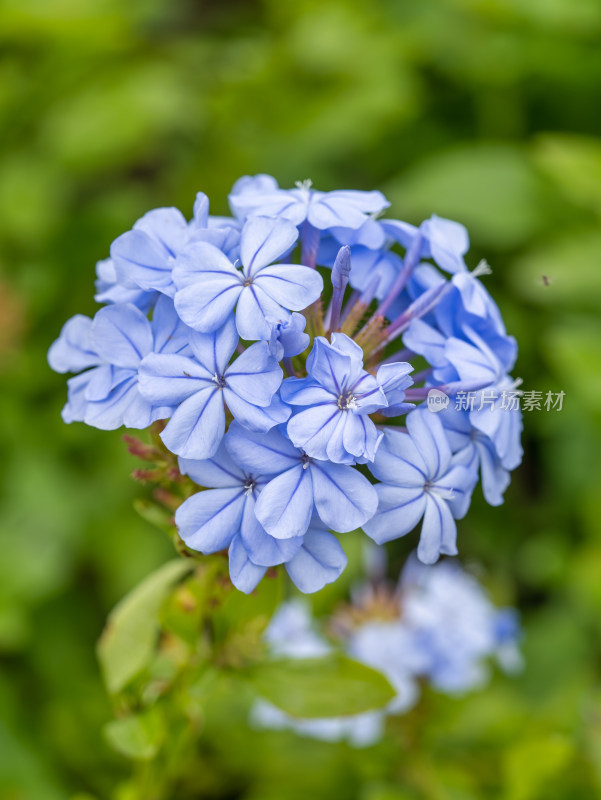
point(420, 479)
point(210, 286)
point(201, 384)
point(339, 395)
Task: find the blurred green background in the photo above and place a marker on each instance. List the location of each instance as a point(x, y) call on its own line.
point(485, 111)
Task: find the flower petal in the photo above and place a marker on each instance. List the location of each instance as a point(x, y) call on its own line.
point(439, 532)
point(265, 240)
point(196, 428)
point(285, 505)
point(206, 305)
point(255, 309)
point(320, 560)
point(243, 573)
point(256, 418)
point(399, 510)
point(218, 472)
point(121, 335)
point(170, 379)
point(263, 549)
point(292, 286)
point(142, 261)
point(255, 375)
point(344, 498)
point(261, 453)
point(208, 520)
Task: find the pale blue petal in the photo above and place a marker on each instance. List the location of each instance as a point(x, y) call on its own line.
point(167, 226)
point(215, 349)
point(197, 426)
point(261, 453)
point(439, 532)
point(264, 241)
point(73, 350)
point(263, 549)
point(361, 437)
point(121, 335)
point(169, 332)
point(292, 286)
point(254, 310)
point(285, 505)
point(305, 392)
point(206, 305)
point(108, 413)
point(74, 409)
point(208, 520)
point(398, 461)
point(218, 472)
point(202, 261)
point(142, 261)
point(170, 379)
point(320, 560)
point(460, 481)
point(254, 417)
point(312, 428)
point(344, 498)
point(430, 439)
point(427, 341)
point(346, 345)
point(331, 367)
point(255, 375)
point(243, 573)
point(495, 478)
point(399, 510)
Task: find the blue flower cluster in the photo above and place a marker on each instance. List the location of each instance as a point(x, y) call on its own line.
point(439, 626)
point(296, 424)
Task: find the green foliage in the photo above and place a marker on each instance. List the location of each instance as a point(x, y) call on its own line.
point(128, 641)
point(481, 111)
point(324, 687)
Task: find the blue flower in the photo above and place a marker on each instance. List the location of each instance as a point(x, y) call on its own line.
point(210, 286)
point(476, 451)
point(143, 258)
point(444, 241)
point(109, 290)
point(201, 384)
point(261, 196)
point(340, 395)
point(288, 337)
point(114, 343)
point(223, 516)
point(341, 497)
point(420, 479)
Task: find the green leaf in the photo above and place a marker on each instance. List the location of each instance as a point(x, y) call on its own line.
point(138, 736)
point(321, 687)
point(491, 188)
point(128, 640)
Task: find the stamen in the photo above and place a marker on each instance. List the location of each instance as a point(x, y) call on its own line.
point(249, 486)
point(306, 461)
point(219, 380)
point(347, 402)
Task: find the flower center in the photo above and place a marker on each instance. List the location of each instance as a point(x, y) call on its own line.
point(249, 486)
point(219, 380)
point(346, 402)
point(306, 460)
